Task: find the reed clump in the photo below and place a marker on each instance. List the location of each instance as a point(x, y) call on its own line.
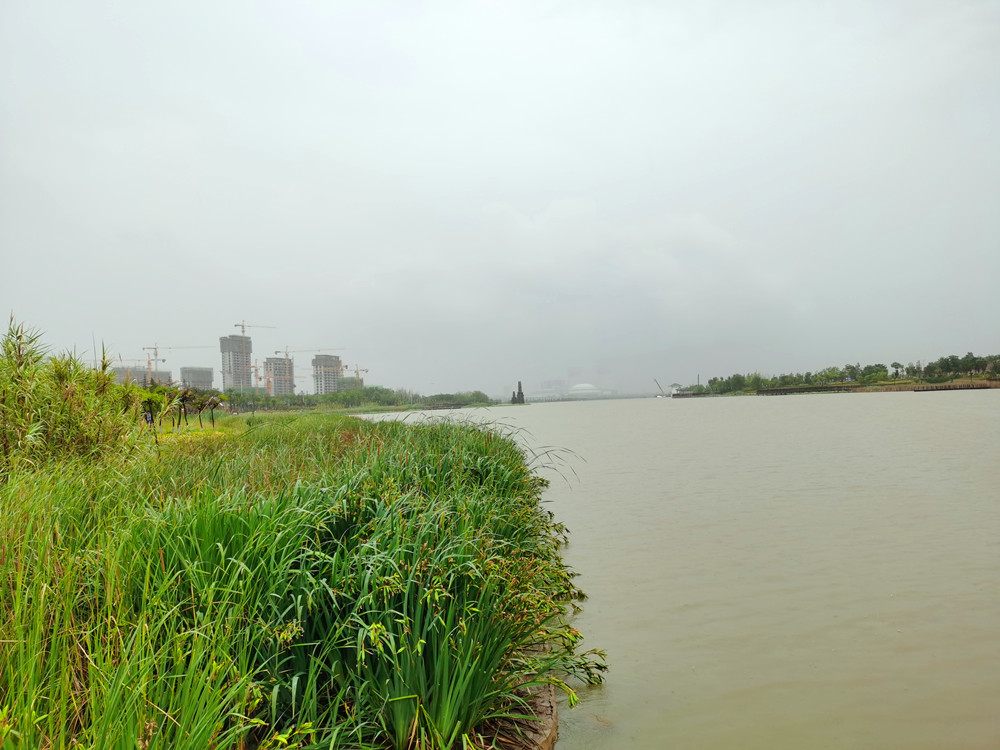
point(55, 407)
point(311, 582)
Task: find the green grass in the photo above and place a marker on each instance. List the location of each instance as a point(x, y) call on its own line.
point(309, 582)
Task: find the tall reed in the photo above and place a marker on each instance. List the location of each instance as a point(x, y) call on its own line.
point(53, 407)
point(304, 582)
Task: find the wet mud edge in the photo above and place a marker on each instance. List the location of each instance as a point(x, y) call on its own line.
point(541, 733)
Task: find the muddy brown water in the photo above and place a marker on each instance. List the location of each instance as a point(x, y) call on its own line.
point(814, 571)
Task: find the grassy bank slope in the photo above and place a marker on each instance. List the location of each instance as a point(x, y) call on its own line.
point(305, 582)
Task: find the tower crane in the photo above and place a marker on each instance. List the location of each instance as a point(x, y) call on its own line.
point(255, 367)
point(187, 347)
point(150, 361)
point(267, 378)
point(243, 325)
point(286, 351)
point(197, 346)
point(155, 348)
point(357, 372)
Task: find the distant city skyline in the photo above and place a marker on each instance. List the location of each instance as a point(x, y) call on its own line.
point(600, 375)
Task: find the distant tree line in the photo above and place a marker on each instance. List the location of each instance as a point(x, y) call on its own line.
point(941, 370)
point(178, 405)
point(354, 398)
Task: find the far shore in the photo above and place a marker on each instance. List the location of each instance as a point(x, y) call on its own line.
point(965, 384)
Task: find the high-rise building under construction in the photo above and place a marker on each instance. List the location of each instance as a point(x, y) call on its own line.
point(280, 376)
point(197, 377)
point(327, 370)
point(141, 376)
point(236, 351)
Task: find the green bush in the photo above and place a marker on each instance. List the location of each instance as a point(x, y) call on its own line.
point(53, 407)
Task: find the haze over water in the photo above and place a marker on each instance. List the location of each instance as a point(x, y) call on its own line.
point(786, 572)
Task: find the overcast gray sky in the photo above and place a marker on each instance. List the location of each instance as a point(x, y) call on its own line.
point(465, 194)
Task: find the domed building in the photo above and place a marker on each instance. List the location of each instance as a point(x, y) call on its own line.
point(584, 390)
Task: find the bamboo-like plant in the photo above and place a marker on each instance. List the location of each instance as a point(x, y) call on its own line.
point(53, 407)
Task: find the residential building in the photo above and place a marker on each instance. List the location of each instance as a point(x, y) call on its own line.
point(236, 351)
point(126, 374)
point(327, 372)
point(280, 374)
point(140, 376)
point(197, 377)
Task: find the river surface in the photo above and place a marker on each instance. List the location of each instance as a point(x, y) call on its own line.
point(813, 571)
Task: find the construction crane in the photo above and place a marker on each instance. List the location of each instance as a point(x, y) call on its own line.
point(150, 361)
point(187, 347)
point(288, 367)
point(155, 348)
point(197, 346)
point(256, 371)
point(267, 378)
point(243, 325)
point(286, 351)
point(357, 372)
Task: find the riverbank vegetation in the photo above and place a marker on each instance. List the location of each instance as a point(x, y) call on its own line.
point(870, 377)
point(291, 581)
point(356, 399)
point(180, 405)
